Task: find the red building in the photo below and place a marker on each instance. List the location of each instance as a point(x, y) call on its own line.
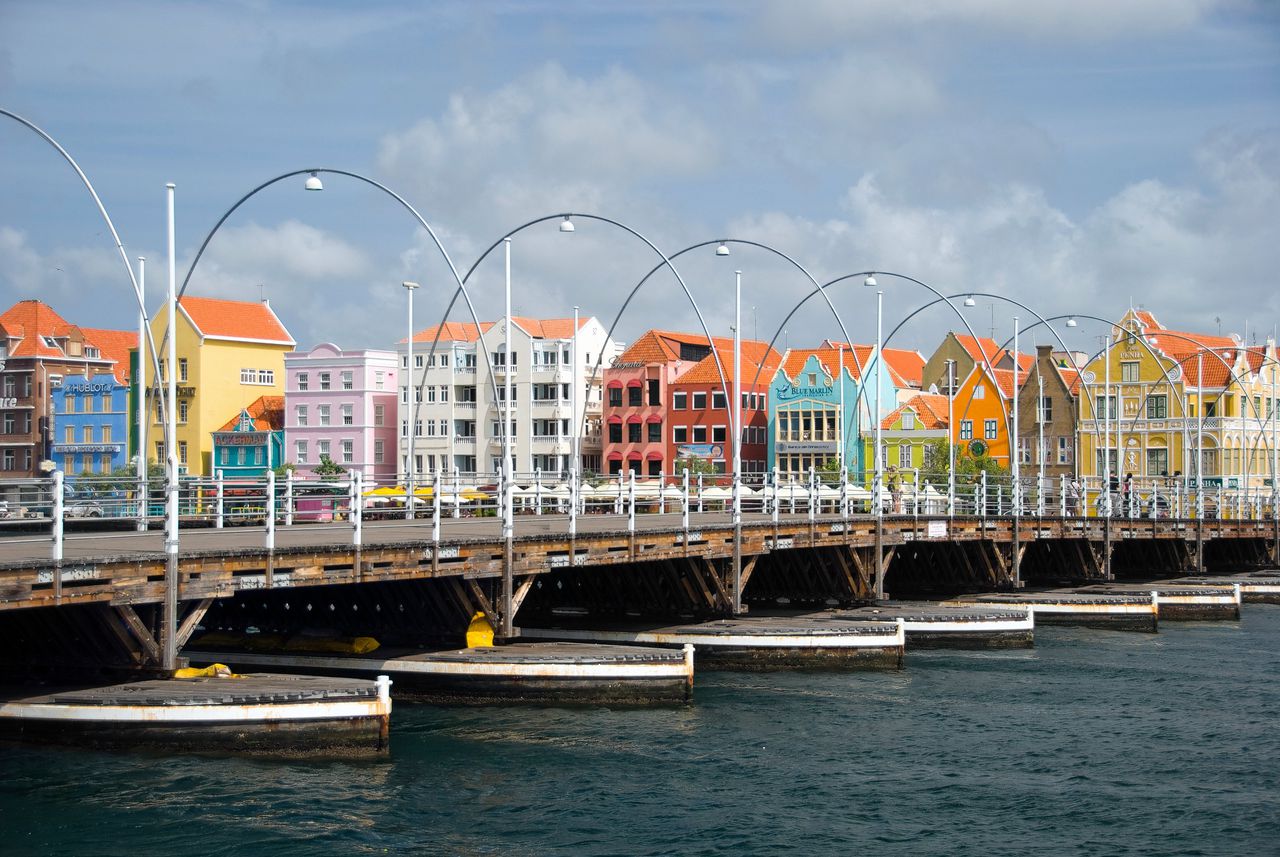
point(664, 404)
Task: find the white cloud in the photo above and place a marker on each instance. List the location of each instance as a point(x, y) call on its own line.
point(822, 22)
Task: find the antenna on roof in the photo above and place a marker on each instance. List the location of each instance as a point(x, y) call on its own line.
point(262, 293)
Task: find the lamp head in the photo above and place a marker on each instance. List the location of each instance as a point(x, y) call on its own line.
point(1071, 322)
point(566, 225)
point(408, 284)
point(870, 281)
point(313, 182)
point(969, 301)
point(723, 249)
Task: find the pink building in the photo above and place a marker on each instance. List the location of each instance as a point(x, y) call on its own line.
point(341, 404)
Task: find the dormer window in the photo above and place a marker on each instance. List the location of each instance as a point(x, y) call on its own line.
point(246, 421)
point(92, 353)
point(49, 341)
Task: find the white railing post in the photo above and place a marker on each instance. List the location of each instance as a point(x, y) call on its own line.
point(684, 505)
point(813, 493)
point(573, 501)
point(699, 493)
point(56, 488)
point(844, 492)
point(662, 494)
point(915, 493)
point(631, 501)
point(144, 502)
point(269, 506)
point(981, 491)
point(219, 501)
point(357, 508)
point(288, 497)
point(457, 492)
point(537, 491)
point(436, 487)
point(1062, 495)
point(777, 496)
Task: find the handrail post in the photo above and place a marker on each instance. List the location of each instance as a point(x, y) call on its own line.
point(219, 500)
point(813, 493)
point(143, 502)
point(56, 489)
point(684, 505)
point(357, 508)
point(631, 500)
point(573, 501)
point(269, 506)
point(537, 491)
point(435, 507)
point(288, 497)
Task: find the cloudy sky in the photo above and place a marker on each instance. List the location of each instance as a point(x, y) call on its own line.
point(1075, 155)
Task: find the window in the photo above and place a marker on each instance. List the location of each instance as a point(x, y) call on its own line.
point(1064, 450)
point(655, 433)
point(633, 432)
point(908, 420)
point(348, 452)
point(69, 434)
point(258, 377)
point(106, 434)
point(10, 459)
point(347, 415)
point(699, 401)
point(966, 429)
point(183, 409)
point(1157, 408)
point(10, 422)
point(904, 456)
point(1129, 372)
point(679, 401)
point(182, 368)
point(378, 452)
point(182, 452)
point(322, 448)
point(303, 382)
point(615, 397)
point(989, 429)
point(615, 432)
point(379, 380)
point(655, 394)
point(699, 434)
point(1157, 462)
point(979, 392)
point(634, 398)
point(87, 435)
point(348, 381)
point(717, 434)
point(300, 452)
point(323, 412)
point(717, 400)
point(444, 393)
point(300, 414)
point(1046, 409)
point(324, 381)
point(679, 434)
point(379, 415)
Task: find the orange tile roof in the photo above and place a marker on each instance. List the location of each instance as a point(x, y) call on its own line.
point(451, 331)
point(663, 346)
point(930, 409)
point(906, 364)
point(216, 318)
point(758, 360)
point(1004, 378)
point(854, 357)
point(267, 413)
point(114, 345)
point(1183, 348)
point(1147, 320)
point(548, 328)
point(29, 321)
point(1071, 377)
point(980, 348)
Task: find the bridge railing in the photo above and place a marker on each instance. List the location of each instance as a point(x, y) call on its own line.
point(346, 502)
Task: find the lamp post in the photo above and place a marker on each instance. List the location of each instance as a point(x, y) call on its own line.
point(141, 381)
point(951, 447)
point(169, 613)
point(575, 461)
point(508, 517)
point(737, 442)
point(1015, 469)
point(411, 390)
point(877, 486)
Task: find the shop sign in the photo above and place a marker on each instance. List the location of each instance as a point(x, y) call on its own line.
point(700, 450)
point(792, 446)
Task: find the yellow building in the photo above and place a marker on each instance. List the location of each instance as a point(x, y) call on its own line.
point(230, 353)
point(1172, 392)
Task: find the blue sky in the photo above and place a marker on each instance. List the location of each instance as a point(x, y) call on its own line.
point(1072, 154)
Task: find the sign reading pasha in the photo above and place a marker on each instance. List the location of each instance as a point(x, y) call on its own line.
point(788, 391)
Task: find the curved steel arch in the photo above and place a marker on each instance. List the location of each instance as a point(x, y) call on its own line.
point(115, 236)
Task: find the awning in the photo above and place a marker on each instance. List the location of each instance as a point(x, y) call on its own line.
point(613, 418)
point(615, 384)
point(654, 418)
point(614, 456)
point(635, 382)
point(633, 418)
point(654, 455)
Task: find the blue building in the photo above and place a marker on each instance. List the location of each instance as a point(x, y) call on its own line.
point(252, 442)
point(90, 424)
point(814, 409)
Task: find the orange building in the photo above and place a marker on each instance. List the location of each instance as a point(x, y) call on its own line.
point(983, 410)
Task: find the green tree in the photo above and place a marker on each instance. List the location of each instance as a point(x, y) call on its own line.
point(694, 465)
point(283, 471)
point(829, 472)
point(328, 470)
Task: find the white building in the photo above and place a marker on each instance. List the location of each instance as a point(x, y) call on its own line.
point(458, 424)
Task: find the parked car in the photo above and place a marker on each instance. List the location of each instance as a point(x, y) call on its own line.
point(82, 509)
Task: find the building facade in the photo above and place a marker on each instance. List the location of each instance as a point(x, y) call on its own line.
point(91, 423)
point(1048, 414)
point(229, 354)
point(666, 407)
point(459, 398)
point(39, 350)
point(251, 442)
point(909, 432)
point(342, 404)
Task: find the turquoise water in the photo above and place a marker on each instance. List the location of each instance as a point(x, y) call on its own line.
point(1095, 742)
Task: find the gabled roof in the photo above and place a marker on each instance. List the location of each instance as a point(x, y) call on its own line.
point(114, 345)
point(663, 346)
point(1071, 377)
point(930, 409)
point(758, 360)
point(907, 365)
point(548, 328)
point(29, 322)
point(238, 321)
point(830, 354)
point(1004, 378)
point(1183, 348)
point(267, 413)
point(980, 348)
point(452, 331)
